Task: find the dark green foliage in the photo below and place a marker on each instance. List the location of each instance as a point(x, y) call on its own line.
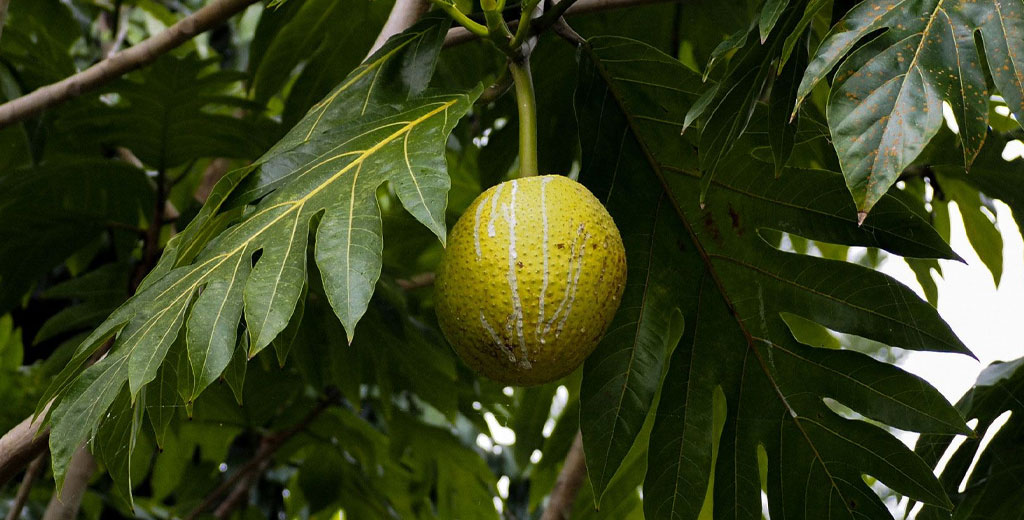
point(734, 289)
point(991, 486)
point(754, 348)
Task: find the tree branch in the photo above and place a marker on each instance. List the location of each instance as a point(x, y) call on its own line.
point(459, 35)
point(21, 445)
point(416, 281)
point(31, 474)
point(242, 480)
point(240, 493)
point(65, 503)
point(209, 16)
point(568, 484)
point(403, 15)
point(562, 28)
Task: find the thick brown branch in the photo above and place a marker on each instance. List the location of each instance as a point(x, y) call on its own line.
point(209, 16)
point(21, 445)
point(568, 484)
point(31, 474)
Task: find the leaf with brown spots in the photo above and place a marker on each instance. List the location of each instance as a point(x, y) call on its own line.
point(738, 382)
point(886, 99)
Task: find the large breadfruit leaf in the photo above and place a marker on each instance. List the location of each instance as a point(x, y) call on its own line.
point(990, 487)
point(244, 256)
point(714, 264)
point(886, 98)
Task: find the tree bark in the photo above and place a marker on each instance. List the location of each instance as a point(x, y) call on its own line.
point(20, 445)
point(403, 15)
point(64, 503)
point(209, 16)
point(31, 474)
point(568, 484)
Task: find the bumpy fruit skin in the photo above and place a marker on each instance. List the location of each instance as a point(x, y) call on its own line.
point(531, 278)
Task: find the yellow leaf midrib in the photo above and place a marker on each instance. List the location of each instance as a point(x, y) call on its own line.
point(297, 204)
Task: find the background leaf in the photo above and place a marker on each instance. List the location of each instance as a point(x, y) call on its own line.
point(886, 98)
point(737, 287)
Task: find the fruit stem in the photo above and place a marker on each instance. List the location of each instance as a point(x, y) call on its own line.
point(527, 102)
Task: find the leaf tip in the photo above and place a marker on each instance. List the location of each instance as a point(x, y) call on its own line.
point(796, 106)
point(861, 215)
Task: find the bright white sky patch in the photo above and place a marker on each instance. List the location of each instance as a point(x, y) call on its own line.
point(985, 318)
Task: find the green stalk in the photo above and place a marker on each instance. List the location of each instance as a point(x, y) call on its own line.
point(523, 31)
point(500, 35)
point(472, 26)
point(527, 103)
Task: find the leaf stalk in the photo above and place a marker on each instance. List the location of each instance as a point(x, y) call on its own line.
point(463, 20)
point(526, 102)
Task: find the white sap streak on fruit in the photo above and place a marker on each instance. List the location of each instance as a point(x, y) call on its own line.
point(575, 282)
point(476, 227)
point(494, 336)
point(494, 210)
point(570, 293)
point(544, 242)
point(515, 320)
point(549, 226)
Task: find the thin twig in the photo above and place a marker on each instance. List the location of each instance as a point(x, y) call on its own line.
point(240, 493)
point(551, 17)
point(118, 27)
point(211, 15)
point(259, 461)
point(151, 245)
point(31, 474)
point(211, 175)
point(568, 484)
point(202, 20)
point(416, 281)
point(497, 89)
point(562, 28)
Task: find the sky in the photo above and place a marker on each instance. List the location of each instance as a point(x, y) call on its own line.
point(983, 316)
point(986, 318)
